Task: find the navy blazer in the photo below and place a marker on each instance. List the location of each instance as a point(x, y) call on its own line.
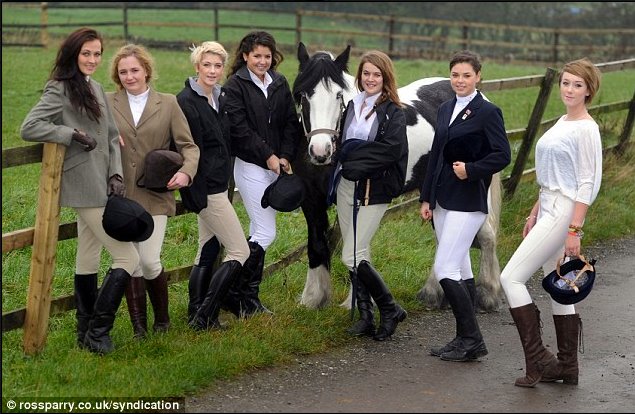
point(477, 137)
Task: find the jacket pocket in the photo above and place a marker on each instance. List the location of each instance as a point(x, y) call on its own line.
point(74, 160)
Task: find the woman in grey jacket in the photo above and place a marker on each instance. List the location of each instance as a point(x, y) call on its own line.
point(73, 112)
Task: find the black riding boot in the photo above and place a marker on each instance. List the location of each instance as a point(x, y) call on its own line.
point(200, 277)
point(252, 276)
point(85, 296)
point(471, 289)
point(470, 344)
point(366, 323)
point(111, 292)
point(390, 313)
point(207, 315)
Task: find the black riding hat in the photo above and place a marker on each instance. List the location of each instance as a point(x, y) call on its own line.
point(126, 220)
point(284, 194)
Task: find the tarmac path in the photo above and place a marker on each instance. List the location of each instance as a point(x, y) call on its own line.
point(400, 375)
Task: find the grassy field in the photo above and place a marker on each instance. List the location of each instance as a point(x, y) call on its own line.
point(182, 361)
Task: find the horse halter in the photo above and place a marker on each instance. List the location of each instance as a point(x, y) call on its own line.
point(333, 132)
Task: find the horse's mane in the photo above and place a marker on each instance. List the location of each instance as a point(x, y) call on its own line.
point(320, 66)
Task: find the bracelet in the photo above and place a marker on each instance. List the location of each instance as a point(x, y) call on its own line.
point(574, 227)
point(577, 233)
point(530, 217)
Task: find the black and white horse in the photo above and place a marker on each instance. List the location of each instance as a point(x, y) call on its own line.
point(322, 89)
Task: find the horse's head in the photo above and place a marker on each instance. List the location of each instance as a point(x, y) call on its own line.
point(322, 89)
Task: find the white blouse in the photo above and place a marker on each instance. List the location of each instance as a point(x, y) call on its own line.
point(360, 127)
point(569, 159)
point(137, 104)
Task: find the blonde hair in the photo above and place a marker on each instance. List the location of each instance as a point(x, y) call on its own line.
point(214, 48)
point(143, 56)
point(586, 70)
point(384, 64)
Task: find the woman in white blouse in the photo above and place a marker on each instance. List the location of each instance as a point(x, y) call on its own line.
point(371, 168)
point(569, 172)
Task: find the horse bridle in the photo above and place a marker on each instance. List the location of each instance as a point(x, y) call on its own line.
point(333, 132)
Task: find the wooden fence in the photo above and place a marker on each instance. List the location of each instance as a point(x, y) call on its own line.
point(47, 231)
point(404, 37)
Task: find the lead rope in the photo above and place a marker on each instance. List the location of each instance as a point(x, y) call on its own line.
point(354, 281)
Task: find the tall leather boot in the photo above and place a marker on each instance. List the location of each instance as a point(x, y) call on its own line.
point(207, 315)
point(390, 313)
point(85, 296)
point(537, 357)
point(111, 292)
point(366, 323)
point(200, 277)
point(234, 300)
point(471, 289)
point(568, 330)
point(137, 306)
point(252, 277)
point(470, 344)
point(158, 293)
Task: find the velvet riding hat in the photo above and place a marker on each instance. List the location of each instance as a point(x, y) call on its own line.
point(571, 281)
point(126, 220)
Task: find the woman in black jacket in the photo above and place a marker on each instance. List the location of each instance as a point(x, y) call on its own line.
point(470, 145)
point(203, 103)
point(371, 171)
point(264, 133)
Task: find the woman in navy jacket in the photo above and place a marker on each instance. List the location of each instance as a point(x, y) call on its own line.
point(470, 145)
point(371, 171)
point(264, 135)
point(203, 103)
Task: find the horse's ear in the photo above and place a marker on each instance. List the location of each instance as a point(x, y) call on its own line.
point(303, 55)
point(342, 60)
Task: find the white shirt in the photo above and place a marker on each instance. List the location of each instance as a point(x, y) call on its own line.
point(137, 104)
point(360, 127)
point(262, 85)
point(461, 103)
point(569, 159)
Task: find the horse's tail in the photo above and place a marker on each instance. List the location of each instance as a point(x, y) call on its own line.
point(495, 200)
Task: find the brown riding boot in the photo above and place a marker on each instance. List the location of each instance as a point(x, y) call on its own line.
point(158, 292)
point(568, 330)
point(137, 306)
point(537, 357)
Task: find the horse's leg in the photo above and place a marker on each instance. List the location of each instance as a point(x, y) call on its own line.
point(431, 294)
point(488, 286)
point(317, 289)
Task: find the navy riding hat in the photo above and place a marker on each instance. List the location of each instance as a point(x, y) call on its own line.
point(570, 282)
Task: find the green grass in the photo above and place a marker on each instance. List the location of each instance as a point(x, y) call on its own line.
point(181, 361)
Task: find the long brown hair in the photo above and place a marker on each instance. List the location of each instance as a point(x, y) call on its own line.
point(67, 71)
point(384, 64)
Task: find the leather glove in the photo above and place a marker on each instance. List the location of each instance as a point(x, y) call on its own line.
point(86, 141)
point(116, 185)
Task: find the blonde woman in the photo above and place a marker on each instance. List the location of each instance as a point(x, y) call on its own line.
point(149, 120)
point(203, 102)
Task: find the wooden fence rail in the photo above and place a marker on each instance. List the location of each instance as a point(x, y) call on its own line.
point(406, 37)
point(47, 231)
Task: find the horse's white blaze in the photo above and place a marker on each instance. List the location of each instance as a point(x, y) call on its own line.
point(325, 113)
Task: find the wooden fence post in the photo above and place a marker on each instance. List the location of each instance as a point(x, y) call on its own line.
point(298, 27)
point(530, 132)
point(628, 127)
point(45, 237)
point(126, 35)
point(44, 20)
